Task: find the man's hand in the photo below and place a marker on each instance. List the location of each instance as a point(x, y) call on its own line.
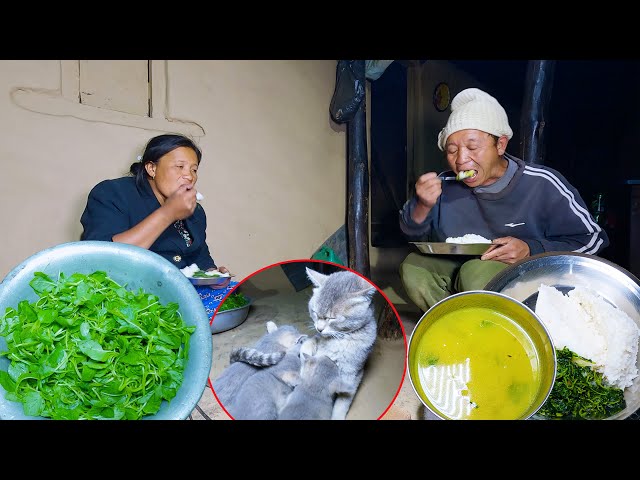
point(507, 250)
point(428, 189)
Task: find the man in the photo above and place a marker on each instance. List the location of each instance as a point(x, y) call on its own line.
point(524, 209)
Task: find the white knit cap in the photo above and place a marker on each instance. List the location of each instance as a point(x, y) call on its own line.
point(474, 109)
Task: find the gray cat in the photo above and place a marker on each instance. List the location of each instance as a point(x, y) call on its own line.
point(264, 393)
point(343, 315)
point(268, 350)
point(316, 390)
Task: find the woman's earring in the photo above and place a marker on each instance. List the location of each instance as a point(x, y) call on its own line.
point(153, 177)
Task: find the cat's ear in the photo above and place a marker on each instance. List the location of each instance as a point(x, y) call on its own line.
point(367, 287)
point(317, 278)
point(367, 291)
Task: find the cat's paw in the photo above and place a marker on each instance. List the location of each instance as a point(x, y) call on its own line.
point(271, 326)
point(308, 347)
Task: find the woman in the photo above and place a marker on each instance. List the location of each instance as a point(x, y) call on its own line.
point(155, 207)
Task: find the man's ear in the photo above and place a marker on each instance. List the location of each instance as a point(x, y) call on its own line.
point(502, 144)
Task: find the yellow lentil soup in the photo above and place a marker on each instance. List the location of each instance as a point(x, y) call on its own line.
point(477, 363)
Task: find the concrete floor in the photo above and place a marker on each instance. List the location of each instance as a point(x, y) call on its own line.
point(385, 388)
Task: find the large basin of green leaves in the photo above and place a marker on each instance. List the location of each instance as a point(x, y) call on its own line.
point(136, 270)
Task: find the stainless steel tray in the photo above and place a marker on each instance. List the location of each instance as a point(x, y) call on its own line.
point(444, 248)
point(565, 271)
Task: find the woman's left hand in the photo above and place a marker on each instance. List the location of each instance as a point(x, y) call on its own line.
point(223, 284)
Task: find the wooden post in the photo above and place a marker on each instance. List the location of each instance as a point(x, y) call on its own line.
point(358, 187)
point(358, 209)
point(537, 95)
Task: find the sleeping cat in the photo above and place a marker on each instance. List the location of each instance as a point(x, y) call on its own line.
point(269, 349)
point(343, 315)
point(316, 390)
point(264, 393)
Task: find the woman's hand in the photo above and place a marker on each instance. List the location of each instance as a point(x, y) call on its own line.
point(182, 203)
point(223, 284)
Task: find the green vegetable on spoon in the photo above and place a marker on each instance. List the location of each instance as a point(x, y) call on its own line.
point(461, 175)
point(465, 174)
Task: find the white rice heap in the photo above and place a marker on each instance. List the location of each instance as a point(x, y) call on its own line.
point(591, 327)
point(193, 268)
point(468, 238)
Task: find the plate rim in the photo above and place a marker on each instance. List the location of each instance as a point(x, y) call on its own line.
point(453, 246)
point(207, 281)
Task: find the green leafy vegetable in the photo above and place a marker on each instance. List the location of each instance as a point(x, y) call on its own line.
point(235, 300)
point(90, 349)
point(580, 392)
point(203, 274)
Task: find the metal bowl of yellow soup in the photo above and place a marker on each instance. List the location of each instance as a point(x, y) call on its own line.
point(481, 355)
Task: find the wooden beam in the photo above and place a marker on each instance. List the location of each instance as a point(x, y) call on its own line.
point(535, 105)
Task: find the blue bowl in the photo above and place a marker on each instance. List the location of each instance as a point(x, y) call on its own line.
point(135, 268)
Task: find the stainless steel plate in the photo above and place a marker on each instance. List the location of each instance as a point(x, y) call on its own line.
point(228, 319)
point(207, 281)
point(444, 248)
point(566, 271)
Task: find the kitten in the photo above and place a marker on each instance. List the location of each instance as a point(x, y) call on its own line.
point(270, 348)
point(343, 315)
point(264, 393)
point(315, 392)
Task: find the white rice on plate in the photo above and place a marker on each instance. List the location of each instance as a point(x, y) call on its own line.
point(193, 268)
point(468, 238)
point(590, 326)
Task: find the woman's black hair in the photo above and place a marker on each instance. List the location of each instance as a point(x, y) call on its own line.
point(156, 148)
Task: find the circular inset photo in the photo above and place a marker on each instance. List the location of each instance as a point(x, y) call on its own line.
point(301, 340)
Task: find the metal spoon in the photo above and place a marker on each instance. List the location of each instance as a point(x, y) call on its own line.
point(461, 175)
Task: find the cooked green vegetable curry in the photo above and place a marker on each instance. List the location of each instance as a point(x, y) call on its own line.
point(88, 348)
point(203, 274)
point(580, 392)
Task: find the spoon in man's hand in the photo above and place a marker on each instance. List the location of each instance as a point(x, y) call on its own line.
point(461, 175)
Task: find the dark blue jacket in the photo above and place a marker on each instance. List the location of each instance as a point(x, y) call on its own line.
point(538, 206)
point(114, 206)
